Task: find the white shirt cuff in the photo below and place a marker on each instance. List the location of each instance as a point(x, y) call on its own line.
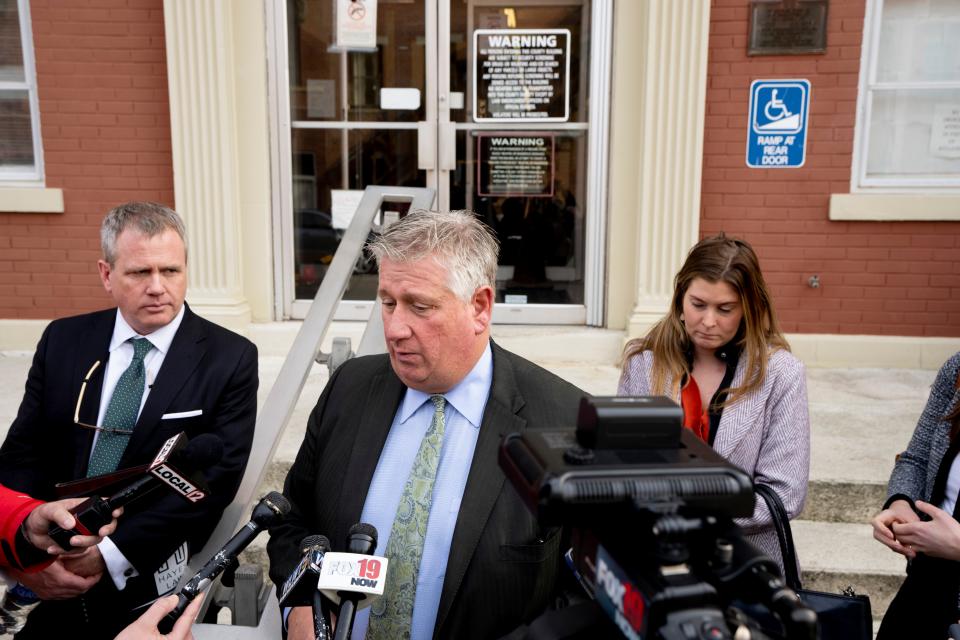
point(118, 566)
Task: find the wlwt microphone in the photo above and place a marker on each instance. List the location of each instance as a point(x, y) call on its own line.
point(268, 512)
point(175, 467)
point(355, 578)
point(302, 583)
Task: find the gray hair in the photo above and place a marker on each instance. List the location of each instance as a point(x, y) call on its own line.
point(457, 240)
point(149, 218)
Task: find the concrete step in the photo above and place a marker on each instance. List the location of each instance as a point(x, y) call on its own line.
point(834, 556)
point(849, 502)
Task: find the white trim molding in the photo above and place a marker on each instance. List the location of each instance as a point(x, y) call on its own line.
point(586, 345)
point(894, 206)
point(853, 351)
point(31, 200)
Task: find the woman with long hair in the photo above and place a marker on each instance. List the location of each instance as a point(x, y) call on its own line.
point(720, 354)
point(919, 518)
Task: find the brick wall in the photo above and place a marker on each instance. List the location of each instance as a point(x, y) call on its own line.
point(105, 123)
point(897, 278)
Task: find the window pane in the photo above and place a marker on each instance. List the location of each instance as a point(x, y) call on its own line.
point(919, 41)
point(915, 133)
point(541, 236)
point(560, 16)
point(327, 159)
point(11, 51)
point(16, 139)
point(320, 77)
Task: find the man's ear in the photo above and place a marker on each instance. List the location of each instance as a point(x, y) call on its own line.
point(104, 268)
point(481, 305)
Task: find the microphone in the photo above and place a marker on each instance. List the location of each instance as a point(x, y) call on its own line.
point(104, 483)
point(302, 583)
point(172, 467)
point(268, 512)
point(361, 540)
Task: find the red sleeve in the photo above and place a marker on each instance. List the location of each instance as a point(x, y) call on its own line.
point(14, 507)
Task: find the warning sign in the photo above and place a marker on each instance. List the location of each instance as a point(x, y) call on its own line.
point(511, 164)
point(521, 74)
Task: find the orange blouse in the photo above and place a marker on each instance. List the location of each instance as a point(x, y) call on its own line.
point(695, 417)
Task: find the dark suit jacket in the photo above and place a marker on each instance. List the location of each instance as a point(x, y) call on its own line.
point(207, 368)
point(503, 568)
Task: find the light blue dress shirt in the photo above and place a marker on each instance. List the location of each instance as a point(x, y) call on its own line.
point(462, 416)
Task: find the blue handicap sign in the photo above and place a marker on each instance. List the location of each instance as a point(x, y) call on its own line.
point(777, 131)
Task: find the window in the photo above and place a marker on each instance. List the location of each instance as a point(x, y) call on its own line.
point(21, 158)
point(908, 120)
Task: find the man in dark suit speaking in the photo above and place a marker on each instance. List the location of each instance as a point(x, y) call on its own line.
point(105, 391)
point(408, 442)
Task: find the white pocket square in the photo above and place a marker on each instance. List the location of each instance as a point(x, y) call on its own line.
point(182, 414)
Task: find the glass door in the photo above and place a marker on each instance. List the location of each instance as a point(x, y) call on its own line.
point(483, 100)
point(355, 114)
point(517, 89)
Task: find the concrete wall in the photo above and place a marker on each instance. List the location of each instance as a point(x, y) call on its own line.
point(880, 278)
point(105, 126)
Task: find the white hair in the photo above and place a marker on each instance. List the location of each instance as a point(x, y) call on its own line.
point(457, 240)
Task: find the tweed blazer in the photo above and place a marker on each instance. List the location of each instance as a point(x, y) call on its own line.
point(766, 433)
point(915, 472)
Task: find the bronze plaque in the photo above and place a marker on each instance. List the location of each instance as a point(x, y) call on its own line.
point(779, 27)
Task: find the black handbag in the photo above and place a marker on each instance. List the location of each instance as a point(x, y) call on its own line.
point(842, 616)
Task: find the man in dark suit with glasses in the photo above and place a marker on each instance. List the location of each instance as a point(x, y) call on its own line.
point(105, 391)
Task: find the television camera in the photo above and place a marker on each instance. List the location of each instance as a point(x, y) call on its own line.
point(649, 509)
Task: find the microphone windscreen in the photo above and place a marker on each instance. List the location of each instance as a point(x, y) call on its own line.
point(310, 542)
point(365, 529)
point(200, 453)
point(270, 510)
point(362, 538)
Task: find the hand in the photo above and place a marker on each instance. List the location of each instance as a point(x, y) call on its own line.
point(56, 582)
point(46, 515)
point(300, 624)
point(86, 563)
point(145, 627)
point(899, 512)
point(939, 537)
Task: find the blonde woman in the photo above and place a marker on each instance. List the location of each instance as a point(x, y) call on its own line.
point(719, 353)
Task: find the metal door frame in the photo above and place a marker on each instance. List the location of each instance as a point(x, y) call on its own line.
point(437, 156)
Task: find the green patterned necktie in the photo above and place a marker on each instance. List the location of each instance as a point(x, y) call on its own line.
point(392, 615)
point(121, 412)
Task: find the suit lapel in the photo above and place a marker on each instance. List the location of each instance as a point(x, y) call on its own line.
point(485, 481)
point(739, 418)
point(384, 396)
point(186, 351)
point(92, 346)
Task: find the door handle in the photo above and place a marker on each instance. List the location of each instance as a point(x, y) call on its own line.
point(448, 146)
point(426, 146)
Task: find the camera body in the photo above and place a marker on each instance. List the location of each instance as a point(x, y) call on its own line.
point(649, 512)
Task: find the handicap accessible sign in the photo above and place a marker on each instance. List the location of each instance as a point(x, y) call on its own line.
point(777, 132)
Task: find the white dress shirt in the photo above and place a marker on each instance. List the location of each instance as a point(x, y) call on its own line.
point(121, 354)
point(462, 416)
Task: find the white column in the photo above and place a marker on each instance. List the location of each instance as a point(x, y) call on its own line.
point(675, 39)
point(203, 123)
